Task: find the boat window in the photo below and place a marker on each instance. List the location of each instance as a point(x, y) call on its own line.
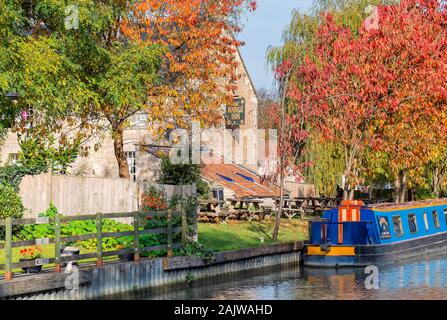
point(435, 219)
point(384, 227)
point(426, 221)
point(397, 225)
point(412, 223)
point(445, 215)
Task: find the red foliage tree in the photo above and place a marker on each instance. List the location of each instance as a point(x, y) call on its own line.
point(363, 89)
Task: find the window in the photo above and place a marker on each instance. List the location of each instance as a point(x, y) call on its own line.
point(397, 225)
point(384, 227)
point(412, 224)
point(426, 221)
point(436, 219)
point(445, 215)
point(130, 156)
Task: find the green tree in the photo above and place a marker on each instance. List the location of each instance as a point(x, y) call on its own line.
point(71, 64)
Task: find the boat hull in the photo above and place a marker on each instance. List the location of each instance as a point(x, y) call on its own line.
point(364, 255)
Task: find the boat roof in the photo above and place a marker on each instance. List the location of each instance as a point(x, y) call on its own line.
point(384, 207)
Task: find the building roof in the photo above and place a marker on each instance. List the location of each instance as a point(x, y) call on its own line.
point(384, 207)
point(242, 181)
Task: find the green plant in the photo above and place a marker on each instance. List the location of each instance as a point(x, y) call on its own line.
point(51, 212)
point(192, 248)
point(203, 189)
point(189, 278)
point(424, 194)
point(76, 228)
point(38, 152)
point(11, 205)
point(178, 174)
point(12, 175)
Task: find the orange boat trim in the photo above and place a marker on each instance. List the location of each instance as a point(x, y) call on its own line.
point(334, 251)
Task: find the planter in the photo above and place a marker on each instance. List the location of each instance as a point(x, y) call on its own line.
point(31, 269)
point(70, 251)
point(126, 257)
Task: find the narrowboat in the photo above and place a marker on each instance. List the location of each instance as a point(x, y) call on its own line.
point(356, 235)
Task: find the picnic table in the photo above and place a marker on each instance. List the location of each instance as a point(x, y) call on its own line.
point(211, 210)
point(246, 208)
point(305, 205)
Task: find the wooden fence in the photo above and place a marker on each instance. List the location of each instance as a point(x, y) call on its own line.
point(170, 231)
point(74, 195)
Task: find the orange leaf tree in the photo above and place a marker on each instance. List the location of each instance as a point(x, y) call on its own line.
point(198, 73)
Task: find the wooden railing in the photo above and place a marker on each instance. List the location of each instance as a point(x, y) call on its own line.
point(170, 231)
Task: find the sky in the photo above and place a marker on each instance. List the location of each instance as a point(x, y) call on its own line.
point(262, 29)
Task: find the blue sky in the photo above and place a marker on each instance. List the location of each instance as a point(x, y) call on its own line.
point(262, 29)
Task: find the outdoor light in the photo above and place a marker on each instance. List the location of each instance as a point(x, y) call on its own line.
point(13, 96)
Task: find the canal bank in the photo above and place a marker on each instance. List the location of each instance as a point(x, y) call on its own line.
point(116, 278)
point(420, 278)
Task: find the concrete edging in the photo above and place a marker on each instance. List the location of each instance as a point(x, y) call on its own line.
point(121, 277)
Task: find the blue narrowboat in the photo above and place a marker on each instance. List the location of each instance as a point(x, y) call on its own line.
point(357, 235)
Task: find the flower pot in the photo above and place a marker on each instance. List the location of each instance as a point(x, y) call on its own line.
point(126, 257)
point(70, 251)
point(31, 269)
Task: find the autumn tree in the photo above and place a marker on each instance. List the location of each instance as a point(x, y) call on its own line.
point(198, 71)
point(325, 157)
point(371, 88)
point(290, 117)
point(413, 47)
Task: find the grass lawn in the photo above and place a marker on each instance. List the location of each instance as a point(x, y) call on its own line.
point(243, 234)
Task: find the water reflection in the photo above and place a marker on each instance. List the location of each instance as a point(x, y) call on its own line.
point(424, 279)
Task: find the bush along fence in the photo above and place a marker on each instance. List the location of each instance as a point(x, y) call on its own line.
point(170, 228)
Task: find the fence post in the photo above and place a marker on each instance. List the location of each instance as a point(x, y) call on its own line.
point(99, 240)
point(57, 243)
point(8, 249)
point(136, 233)
point(169, 232)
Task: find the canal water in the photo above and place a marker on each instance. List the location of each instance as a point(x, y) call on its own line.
point(425, 278)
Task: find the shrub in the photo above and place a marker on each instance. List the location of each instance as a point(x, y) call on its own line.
point(12, 175)
point(10, 203)
point(152, 200)
point(203, 189)
point(178, 174)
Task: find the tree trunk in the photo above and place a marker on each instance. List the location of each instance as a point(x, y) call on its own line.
point(351, 194)
point(346, 193)
point(281, 205)
point(435, 184)
point(118, 143)
point(401, 187)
